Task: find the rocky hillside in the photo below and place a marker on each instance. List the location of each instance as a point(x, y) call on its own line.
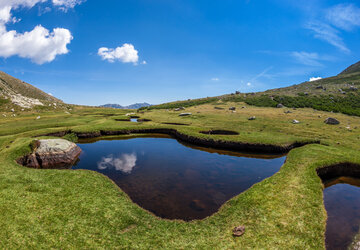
point(17, 94)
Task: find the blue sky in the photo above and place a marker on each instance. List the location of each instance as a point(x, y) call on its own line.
point(173, 50)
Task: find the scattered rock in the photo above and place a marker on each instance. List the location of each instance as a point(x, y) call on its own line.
point(37, 118)
point(295, 121)
point(52, 153)
point(353, 88)
point(12, 110)
point(185, 114)
point(319, 87)
point(232, 108)
point(238, 231)
point(287, 112)
point(280, 105)
point(332, 121)
point(252, 118)
point(243, 107)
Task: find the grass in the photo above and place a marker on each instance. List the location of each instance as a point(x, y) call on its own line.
point(84, 209)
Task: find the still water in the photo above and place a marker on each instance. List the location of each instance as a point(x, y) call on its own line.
point(174, 180)
point(342, 203)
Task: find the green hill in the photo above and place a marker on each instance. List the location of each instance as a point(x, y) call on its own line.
point(334, 94)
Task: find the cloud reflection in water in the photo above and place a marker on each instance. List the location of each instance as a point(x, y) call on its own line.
point(124, 163)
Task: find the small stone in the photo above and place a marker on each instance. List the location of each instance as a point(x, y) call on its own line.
point(232, 108)
point(37, 118)
point(12, 110)
point(185, 114)
point(287, 112)
point(295, 121)
point(238, 231)
point(280, 105)
point(252, 118)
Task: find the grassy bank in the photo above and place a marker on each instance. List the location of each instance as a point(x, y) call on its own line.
point(83, 209)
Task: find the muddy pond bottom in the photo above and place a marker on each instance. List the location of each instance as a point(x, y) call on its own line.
point(175, 180)
point(342, 203)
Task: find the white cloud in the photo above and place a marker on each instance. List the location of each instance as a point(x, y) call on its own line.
point(312, 79)
point(144, 62)
point(344, 16)
point(306, 58)
point(39, 45)
point(249, 84)
point(215, 79)
point(67, 4)
point(124, 163)
point(327, 33)
point(126, 54)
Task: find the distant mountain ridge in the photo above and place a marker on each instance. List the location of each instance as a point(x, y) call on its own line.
point(132, 106)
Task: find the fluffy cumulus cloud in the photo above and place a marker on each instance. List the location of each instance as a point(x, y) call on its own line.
point(126, 54)
point(312, 79)
point(39, 45)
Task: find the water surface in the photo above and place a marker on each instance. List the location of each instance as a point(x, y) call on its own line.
point(342, 203)
point(173, 180)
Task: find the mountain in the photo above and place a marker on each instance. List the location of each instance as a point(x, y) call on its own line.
point(339, 93)
point(355, 68)
point(132, 106)
point(15, 94)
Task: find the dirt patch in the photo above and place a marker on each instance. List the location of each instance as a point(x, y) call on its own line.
point(206, 142)
point(122, 120)
point(338, 170)
point(175, 123)
point(219, 132)
point(144, 120)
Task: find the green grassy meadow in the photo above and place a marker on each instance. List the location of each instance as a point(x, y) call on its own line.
point(84, 209)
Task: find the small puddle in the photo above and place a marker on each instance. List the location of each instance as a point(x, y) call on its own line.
point(342, 203)
point(174, 180)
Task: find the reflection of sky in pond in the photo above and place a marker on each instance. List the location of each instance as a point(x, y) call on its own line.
point(124, 163)
point(172, 180)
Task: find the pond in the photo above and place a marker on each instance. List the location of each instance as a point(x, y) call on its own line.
point(342, 203)
point(174, 180)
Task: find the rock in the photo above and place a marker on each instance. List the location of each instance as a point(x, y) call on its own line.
point(243, 107)
point(52, 153)
point(37, 118)
point(238, 231)
point(232, 108)
point(319, 87)
point(353, 88)
point(185, 114)
point(280, 105)
point(295, 121)
point(332, 121)
point(178, 109)
point(252, 118)
point(287, 112)
point(12, 110)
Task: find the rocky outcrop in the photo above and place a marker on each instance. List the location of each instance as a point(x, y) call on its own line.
point(332, 121)
point(51, 153)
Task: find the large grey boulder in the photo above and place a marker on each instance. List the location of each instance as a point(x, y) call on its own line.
point(280, 106)
point(52, 153)
point(332, 121)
